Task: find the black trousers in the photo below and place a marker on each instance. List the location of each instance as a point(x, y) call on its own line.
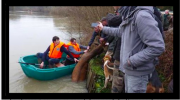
point(68, 62)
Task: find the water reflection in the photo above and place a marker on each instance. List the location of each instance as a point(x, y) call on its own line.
point(13, 16)
point(61, 23)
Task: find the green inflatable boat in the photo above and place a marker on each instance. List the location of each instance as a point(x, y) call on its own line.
point(33, 71)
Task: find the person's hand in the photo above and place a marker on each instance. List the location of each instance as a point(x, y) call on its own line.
point(117, 14)
point(96, 29)
point(88, 47)
point(41, 65)
point(101, 40)
point(85, 51)
point(100, 26)
point(76, 60)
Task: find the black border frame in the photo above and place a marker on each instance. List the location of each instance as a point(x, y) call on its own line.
point(5, 69)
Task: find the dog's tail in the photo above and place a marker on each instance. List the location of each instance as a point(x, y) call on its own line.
point(107, 65)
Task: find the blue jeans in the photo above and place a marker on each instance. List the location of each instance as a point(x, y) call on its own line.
point(51, 61)
point(136, 84)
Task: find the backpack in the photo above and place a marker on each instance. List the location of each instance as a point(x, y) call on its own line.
point(157, 17)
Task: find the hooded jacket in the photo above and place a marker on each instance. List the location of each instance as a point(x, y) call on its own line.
point(141, 41)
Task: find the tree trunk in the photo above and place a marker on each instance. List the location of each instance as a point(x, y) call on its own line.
point(80, 70)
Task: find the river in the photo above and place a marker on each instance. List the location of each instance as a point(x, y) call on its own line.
point(29, 33)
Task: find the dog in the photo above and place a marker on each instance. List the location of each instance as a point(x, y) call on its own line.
point(155, 85)
point(108, 69)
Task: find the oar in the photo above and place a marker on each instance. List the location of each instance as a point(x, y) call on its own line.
point(29, 63)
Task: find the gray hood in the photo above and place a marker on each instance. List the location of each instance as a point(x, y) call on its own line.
point(128, 11)
point(141, 7)
point(146, 7)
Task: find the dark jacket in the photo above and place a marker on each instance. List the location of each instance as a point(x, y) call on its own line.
point(62, 49)
point(117, 48)
point(165, 21)
point(94, 36)
point(157, 13)
point(114, 21)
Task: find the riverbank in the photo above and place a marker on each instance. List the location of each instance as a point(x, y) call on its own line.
point(48, 27)
point(95, 76)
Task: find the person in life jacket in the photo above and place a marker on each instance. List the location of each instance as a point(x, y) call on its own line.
point(75, 49)
point(54, 53)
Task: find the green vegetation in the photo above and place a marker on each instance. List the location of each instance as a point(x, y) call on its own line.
point(163, 8)
point(95, 65)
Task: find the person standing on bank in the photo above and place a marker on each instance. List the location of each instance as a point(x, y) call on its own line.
point(55, 50)
point(75, 50)
point(141, 45)
point(97, 33)
point(114, 20)
point(166, 20)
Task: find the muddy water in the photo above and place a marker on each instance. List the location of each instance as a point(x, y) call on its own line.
point(30, 33)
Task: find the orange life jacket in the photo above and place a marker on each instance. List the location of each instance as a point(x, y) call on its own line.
point(76, 47)
point(65, 45)
point(55, 52)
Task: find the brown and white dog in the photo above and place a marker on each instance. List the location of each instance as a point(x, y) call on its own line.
point(155, 85)
point(108, 69)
